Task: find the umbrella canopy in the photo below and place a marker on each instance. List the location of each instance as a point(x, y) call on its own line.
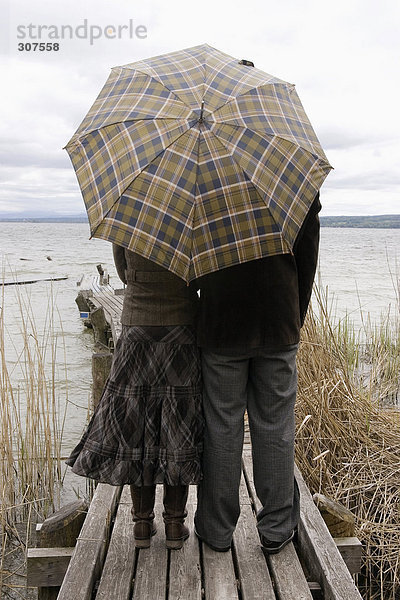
point(197, 162)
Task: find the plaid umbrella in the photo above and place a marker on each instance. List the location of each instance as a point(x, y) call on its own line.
point(197, 162)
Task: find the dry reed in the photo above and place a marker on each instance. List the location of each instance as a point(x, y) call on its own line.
point(31, 420)
point(348, 443)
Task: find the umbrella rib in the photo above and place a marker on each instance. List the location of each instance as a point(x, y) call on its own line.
point(254, 87)
point(196, 188)
point(271, 135)
point(163, 84)
point(263, 201)
point(71, 145)
point(130, 183)
point(249, 179)
point(143, 118)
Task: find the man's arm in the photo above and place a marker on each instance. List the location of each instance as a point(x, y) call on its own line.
point(306, 254)
point(120, 261)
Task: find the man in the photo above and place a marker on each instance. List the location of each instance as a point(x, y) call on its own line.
point(249, 330)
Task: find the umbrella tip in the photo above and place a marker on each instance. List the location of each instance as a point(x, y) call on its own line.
point(248, 63)
point(201, 112)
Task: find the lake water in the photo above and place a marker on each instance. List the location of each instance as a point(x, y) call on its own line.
point(361, 269)
point(359, 266)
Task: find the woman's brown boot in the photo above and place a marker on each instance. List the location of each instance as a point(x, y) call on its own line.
point(174, 514)
point(143, 514)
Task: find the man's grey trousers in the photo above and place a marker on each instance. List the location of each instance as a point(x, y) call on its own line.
point(263, 381)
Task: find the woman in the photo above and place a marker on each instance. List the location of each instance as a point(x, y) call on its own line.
point(147, 428)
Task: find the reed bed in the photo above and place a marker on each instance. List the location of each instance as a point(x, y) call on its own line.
point(32, 418)
point(348, 433)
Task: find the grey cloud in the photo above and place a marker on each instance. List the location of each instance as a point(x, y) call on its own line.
point(344, 139)
point(32, 155)
point(365, 180)
point(28, 188)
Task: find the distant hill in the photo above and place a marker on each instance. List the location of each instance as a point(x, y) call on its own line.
point(372, 221)
point(32, 218)
point(365, 222)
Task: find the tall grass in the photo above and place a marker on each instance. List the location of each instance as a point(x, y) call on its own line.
point(348, 437)
point(31, 419)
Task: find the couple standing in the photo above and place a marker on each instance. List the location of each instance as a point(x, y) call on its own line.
point(184, 372)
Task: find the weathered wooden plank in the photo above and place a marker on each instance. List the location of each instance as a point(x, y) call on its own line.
point(126, 496)
point(255, 581)
point(219, 575)
point(185, 573)
point(247, 437)
point(27, 282)
point(100, 324)
point(114, 301)
point(46, 567)
point(117, 576)
point(88, 557)
point(288, 575)
point(103, 296)
point(350, 549)
point(116, 328)
point(82, 301)
point(151, 571)
point(285, 567)
point(106, 292)
point(339, 519)
point(110, 302)
point(62, 527)
point(58, 531)
point(320, 552)
point(244, 497)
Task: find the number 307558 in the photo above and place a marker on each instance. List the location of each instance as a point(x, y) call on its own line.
point(39, 47)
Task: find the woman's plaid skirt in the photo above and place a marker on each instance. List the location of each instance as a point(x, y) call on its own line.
point(148, 425)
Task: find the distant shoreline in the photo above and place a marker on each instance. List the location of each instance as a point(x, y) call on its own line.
point(44, 220)
point(363, 222)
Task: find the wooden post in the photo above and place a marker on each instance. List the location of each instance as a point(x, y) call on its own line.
point(104, 276)
point(56, 538)
point(351, 550)
point(100, 271)
point(82, 300)
point(341, 524)
point(100, 325)
point(339, 519)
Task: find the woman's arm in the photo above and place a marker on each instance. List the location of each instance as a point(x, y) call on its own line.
point(120, 261)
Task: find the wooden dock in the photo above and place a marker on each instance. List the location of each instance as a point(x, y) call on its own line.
point(104, 563)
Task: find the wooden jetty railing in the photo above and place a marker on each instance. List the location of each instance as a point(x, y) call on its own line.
point(104, 563)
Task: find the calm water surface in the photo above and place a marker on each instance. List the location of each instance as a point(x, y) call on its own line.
point(359, 267)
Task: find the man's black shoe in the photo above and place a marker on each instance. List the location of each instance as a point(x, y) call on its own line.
point(215, 548)
point(269, 547)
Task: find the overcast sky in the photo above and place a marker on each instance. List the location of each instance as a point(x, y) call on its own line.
point(343, 56)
